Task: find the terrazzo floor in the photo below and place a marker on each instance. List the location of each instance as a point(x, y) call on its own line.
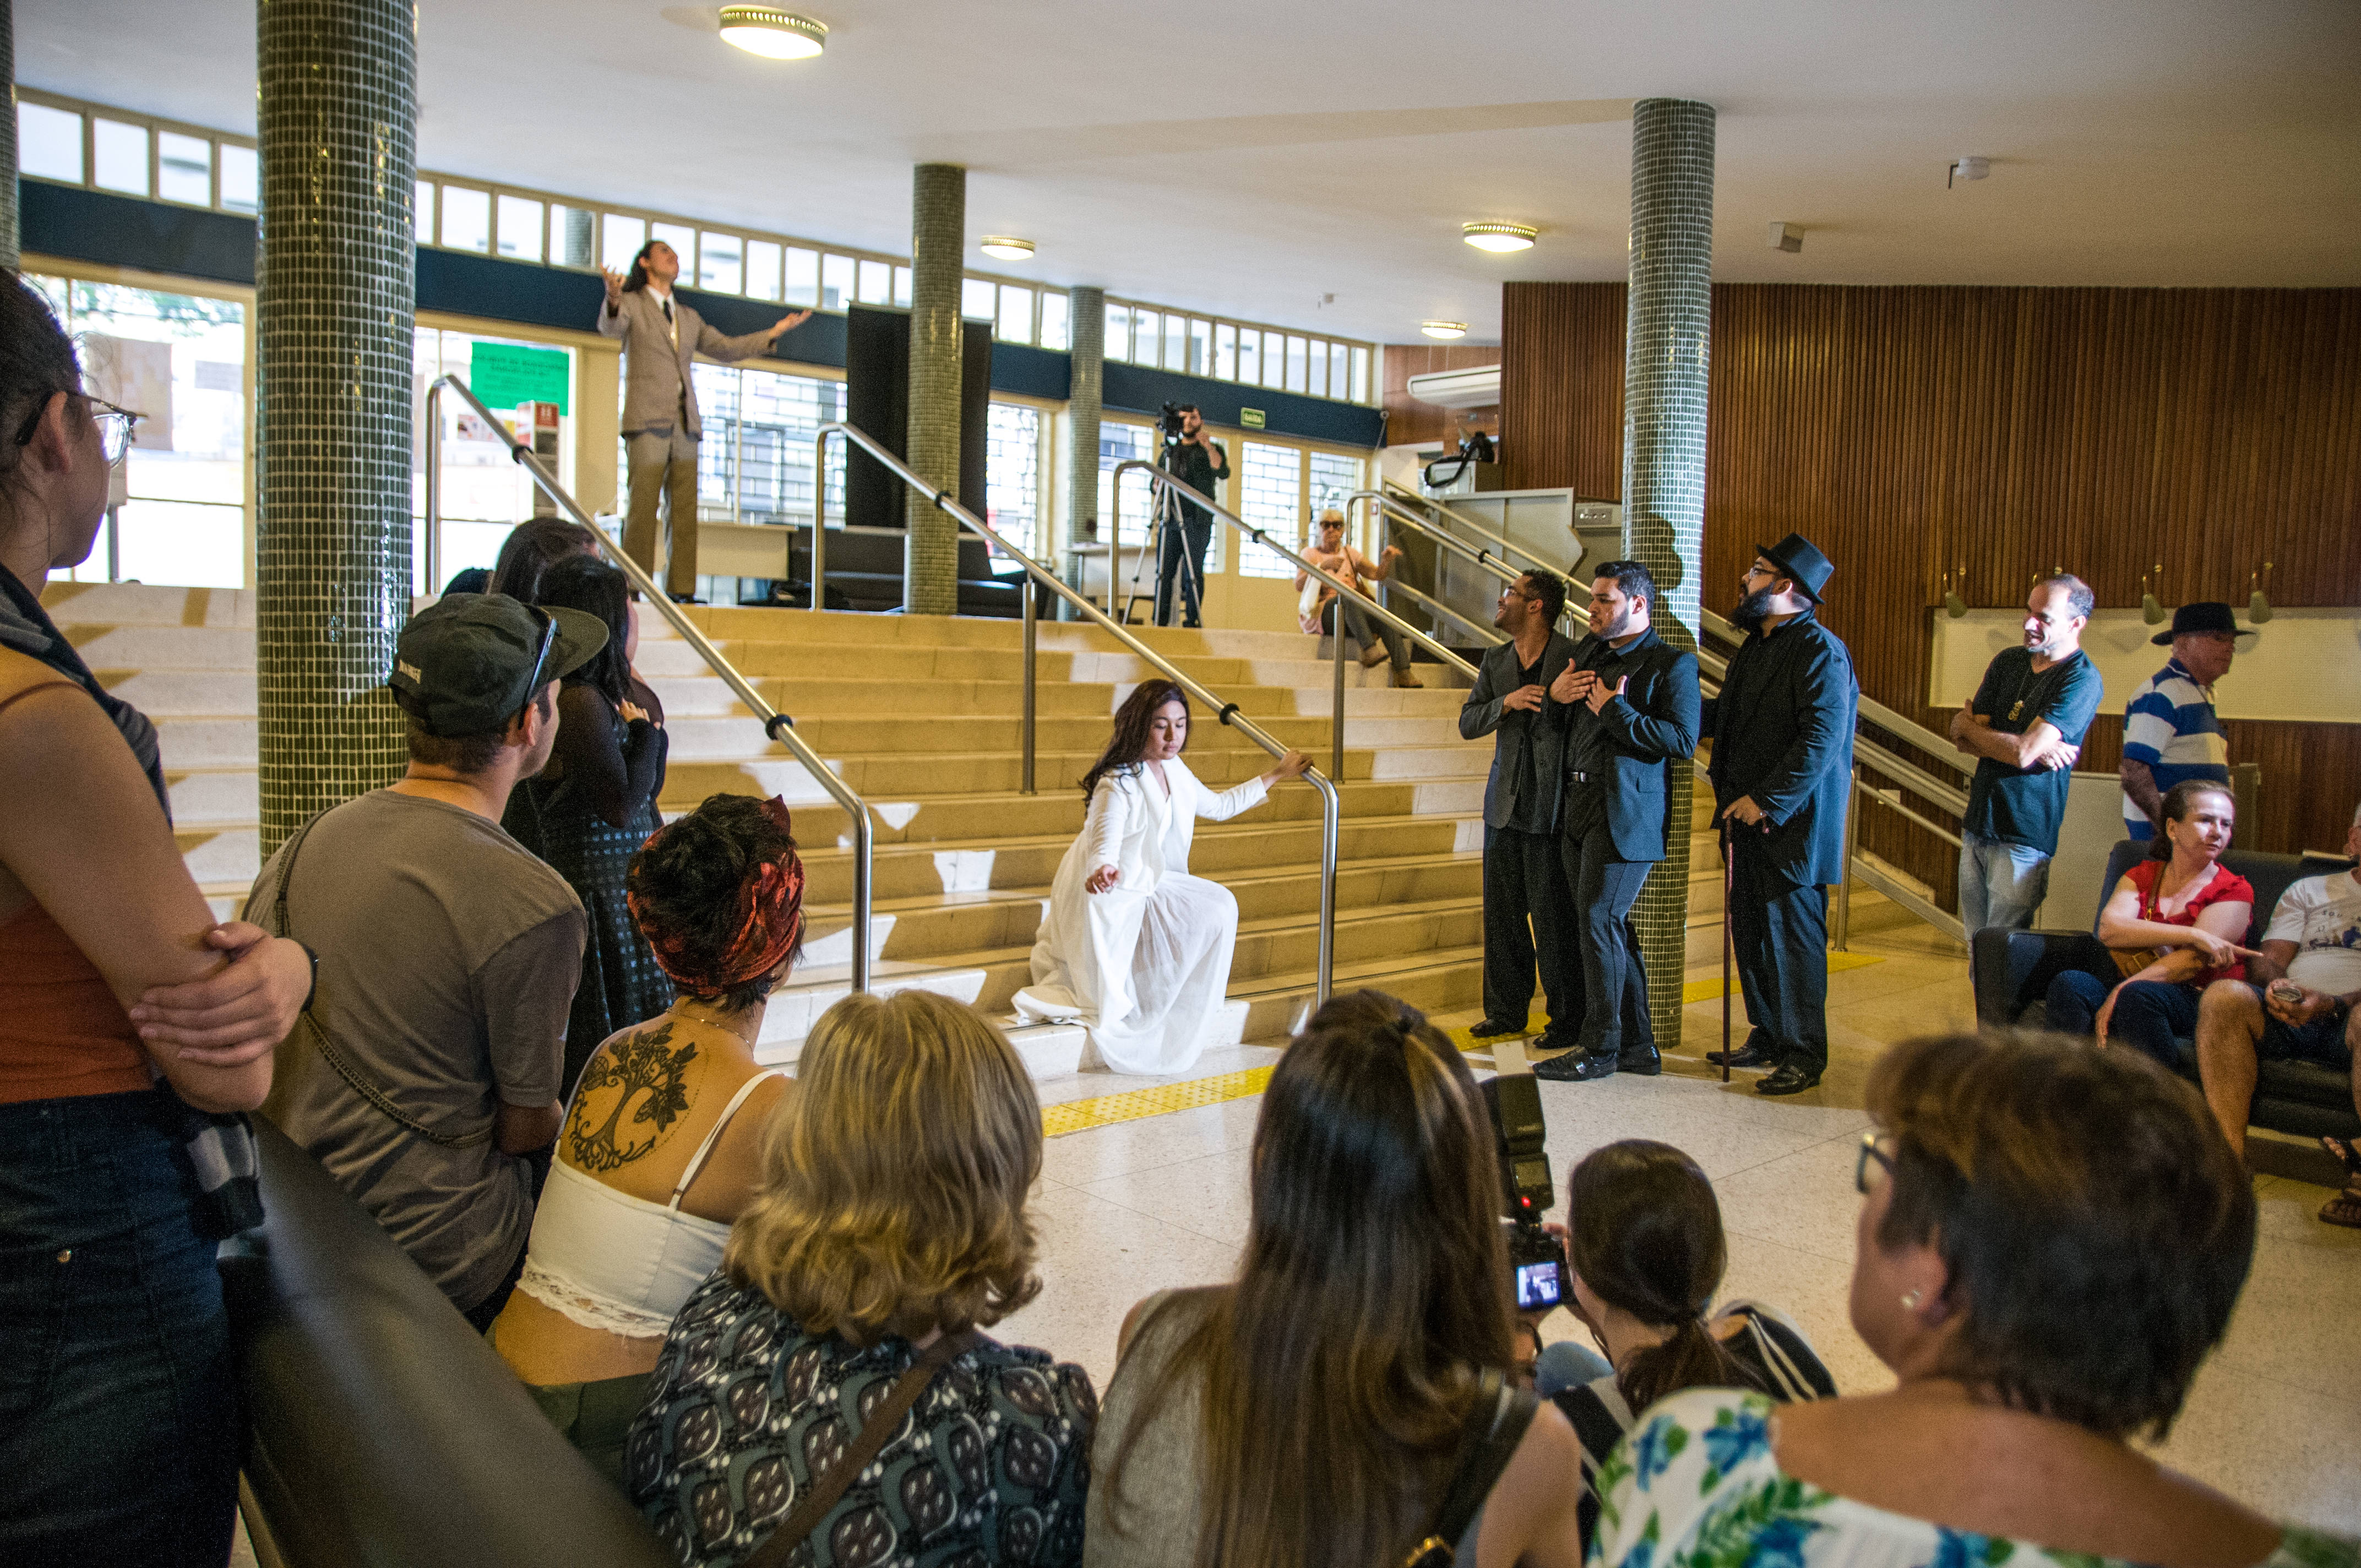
point(2274, 1419)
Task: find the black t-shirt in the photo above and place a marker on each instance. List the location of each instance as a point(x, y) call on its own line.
point(2020, 805)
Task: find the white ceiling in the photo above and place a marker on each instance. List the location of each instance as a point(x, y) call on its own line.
point(1249, 157)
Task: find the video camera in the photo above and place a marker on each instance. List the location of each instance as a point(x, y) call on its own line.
point(1170, 421)
point(1536, 1261)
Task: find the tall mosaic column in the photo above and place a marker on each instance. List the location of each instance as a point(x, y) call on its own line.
point(335, 300)
point(1086, 347)
point(1665, 345)
point(8, 138)
point(938, 241)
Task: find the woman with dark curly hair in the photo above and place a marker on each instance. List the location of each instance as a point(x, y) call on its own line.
point(2051, 1240)
point(662, 1134)
point(1131, 943)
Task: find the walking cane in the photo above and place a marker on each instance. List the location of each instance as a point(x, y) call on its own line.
point(1728, 885)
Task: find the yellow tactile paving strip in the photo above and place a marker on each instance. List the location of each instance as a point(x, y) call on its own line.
point(1163, 1099)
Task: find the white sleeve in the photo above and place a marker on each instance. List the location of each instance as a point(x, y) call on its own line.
point(1229, 803)
point(2289, 914)
point(1103, 827)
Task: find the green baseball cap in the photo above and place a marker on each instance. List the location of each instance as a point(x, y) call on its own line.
point(469, 662)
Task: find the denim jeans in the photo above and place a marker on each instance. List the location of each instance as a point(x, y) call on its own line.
point(118, 1413)
point(2000, 885)
point(1568, 1364)
point(2150, 1015)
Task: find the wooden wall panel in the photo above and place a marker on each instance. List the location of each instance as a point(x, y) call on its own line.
point(1908, 430)
point(1406, 419)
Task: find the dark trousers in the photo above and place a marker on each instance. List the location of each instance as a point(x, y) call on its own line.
point(1614, 978)
point(1529, 920)
point(2152, 1014)
point(1181, 559)
point(120, 1427)
point(1779, 936)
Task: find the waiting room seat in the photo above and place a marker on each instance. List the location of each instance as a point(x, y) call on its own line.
point(382, 1429)
point(2012, 971)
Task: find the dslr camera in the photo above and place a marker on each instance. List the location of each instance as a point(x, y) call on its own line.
point(1170, 421)
point(1536, 1261)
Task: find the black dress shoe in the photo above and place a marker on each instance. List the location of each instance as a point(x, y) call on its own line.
point(1576, 1067)
point(1788, 1079)
point(1644, 1062)
point(1750, 1056)
point(1496, 1028)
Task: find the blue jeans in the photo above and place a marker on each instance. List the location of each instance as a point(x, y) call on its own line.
point(118, 1413)
point(2150, 1014)
point(2000, 885)
point(1568, 1365)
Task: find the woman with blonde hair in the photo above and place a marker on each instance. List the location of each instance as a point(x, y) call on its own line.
point(890, 1226)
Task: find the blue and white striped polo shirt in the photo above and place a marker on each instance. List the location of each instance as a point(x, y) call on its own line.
point(2169, 725)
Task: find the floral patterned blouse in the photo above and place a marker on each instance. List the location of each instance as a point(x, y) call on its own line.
point(1695, 1486)
point(744, 1407)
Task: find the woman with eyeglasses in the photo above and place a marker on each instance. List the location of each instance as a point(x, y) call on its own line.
point(2051, 1240)
point(135, 1031)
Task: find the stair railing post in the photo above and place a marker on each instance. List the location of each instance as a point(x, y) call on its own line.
point(819, 520)
point(1852, 843)
point(1031, 645)
point(1336, 698)
point(433, 519)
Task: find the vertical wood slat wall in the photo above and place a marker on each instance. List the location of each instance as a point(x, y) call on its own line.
point(1408, 420)
point(1910, 430)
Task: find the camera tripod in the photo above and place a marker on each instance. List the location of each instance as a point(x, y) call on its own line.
point(1168, 519)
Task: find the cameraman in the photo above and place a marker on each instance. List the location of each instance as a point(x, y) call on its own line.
point(1192, 456)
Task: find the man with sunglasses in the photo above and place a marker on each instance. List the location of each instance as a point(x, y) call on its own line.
point(1782, 734)
point(427, 1067)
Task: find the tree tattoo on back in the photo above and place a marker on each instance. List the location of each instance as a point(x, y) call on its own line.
point(642, 1062)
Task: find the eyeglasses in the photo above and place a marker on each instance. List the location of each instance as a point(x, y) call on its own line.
point(114, 424)
point(1870, 1151)
point(1758, 570)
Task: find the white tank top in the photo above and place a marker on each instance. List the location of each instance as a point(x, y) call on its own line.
point(611, 1261)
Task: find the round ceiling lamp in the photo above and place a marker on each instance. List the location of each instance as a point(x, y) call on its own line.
point(1498, 236)
point(1007, 247)
point(772, 33)
point(1443, 329)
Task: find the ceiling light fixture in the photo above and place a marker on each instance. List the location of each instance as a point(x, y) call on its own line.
point(1788, 237)
point(1968, 168)
point(1443, 329)
point(772, 33)
point(1007, 247)
point(1498, 236)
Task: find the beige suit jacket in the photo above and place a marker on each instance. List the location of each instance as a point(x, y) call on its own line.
point(657, 388)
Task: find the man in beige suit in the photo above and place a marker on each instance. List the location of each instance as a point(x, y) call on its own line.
point(661, 336)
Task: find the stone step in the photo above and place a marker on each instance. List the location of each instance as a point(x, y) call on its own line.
point(140, 604)
point(809, 697)
point(734, 738)
point(145, 647)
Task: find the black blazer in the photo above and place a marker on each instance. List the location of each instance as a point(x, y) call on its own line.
point(1482, 714)
point(1782, 732)
point(1653, 722)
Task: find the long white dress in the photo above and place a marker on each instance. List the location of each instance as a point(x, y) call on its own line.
point(1144, 965)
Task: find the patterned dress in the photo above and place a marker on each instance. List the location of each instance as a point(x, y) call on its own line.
point(1695, 1486)
point(744, 1409)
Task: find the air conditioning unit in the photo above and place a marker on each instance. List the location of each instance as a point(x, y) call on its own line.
point(1478, 387)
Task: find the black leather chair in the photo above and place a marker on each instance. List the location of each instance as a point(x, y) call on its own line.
point(2012, 971)
point(382, 1429)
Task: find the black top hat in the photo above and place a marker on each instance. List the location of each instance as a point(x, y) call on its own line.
point(2209, 615)
point(1800, 559)
point(469, 662)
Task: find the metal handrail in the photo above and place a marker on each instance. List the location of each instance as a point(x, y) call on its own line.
point(1569, 618)
point(1491, 636)
point(1332, 806)
point(778, 726)
point(1502, 540)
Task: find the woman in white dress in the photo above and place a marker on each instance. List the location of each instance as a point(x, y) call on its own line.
point(1132, 945)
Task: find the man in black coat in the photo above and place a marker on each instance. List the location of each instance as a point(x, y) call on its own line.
point(1525, 908)
point(1782, 733)
point(1626, 705)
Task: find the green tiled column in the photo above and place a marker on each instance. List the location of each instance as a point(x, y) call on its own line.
point(937, 238)
point(8, 138)
point(1086, 347)
point(1665, 340)
point(335, 300)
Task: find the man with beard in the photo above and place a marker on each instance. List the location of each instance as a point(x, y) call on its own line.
point(1782, 733)
point(1627, 704)
point(1526, 913)
point(2025, 726)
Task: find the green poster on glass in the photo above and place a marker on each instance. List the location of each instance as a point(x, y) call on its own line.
point(507, 374)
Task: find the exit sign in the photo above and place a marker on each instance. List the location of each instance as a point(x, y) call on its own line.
point(1250, 419)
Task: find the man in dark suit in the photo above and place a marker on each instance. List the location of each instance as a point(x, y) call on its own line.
point(1626, 705)
point(1526, 906)
point(1782, 733)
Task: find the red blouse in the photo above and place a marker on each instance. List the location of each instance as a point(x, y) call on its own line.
point(2227, 887)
